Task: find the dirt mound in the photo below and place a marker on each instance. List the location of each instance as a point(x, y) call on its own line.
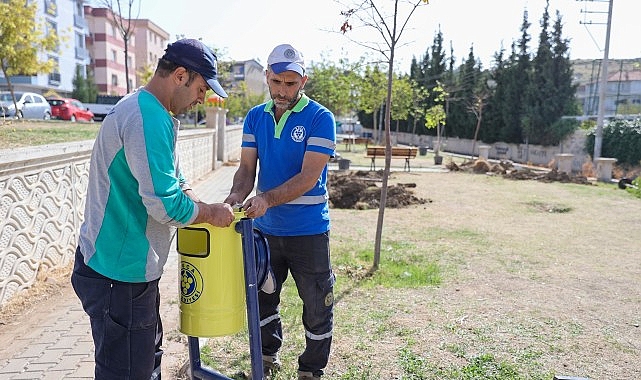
point(509, 171)
point(362, 190)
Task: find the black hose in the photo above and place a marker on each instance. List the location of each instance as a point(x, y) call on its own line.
point(261, 252)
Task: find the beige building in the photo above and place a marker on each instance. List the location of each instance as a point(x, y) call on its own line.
point(107, 50)
point(252, 73)
point(151, 42)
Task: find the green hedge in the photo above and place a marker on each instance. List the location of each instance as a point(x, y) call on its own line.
point(621, 140)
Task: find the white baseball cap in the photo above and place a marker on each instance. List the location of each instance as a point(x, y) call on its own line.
point(285, 58)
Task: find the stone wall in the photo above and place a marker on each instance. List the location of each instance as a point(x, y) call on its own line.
point(521, 153)
point(42, 199)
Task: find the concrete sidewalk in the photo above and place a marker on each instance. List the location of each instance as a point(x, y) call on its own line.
point(53, 341)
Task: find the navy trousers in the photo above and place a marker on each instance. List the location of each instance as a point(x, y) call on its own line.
point(307, 258)
point(125, 323)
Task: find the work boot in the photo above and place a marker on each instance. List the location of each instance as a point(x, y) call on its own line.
point(307, 376)
point(271, 364)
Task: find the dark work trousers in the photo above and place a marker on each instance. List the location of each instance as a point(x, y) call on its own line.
point(125, 323)
point(307, 258)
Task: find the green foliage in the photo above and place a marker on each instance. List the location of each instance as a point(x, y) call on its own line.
point(335, 85)
point(22, 40)
point(621, 140)
point(402, 97)
point(84, 87)
point(240, 101)
point(636, 189)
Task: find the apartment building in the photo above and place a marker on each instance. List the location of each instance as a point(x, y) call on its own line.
point(66, 19)
point(151, 41)
point(251, 72)
point(107, 51)
point(622, 94)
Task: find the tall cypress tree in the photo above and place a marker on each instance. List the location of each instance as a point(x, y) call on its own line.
point(461, 122)
point(552, 93)
point(541, 94)
point(515, 80)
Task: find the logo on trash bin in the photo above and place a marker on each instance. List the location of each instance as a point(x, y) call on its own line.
point(191, 283)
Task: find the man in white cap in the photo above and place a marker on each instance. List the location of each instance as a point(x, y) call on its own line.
point(136, 197)
point(292, 138)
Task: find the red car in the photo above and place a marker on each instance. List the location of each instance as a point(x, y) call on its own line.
point(69, 109)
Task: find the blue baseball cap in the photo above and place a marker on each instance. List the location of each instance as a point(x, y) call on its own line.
point(194, 55)
point(285, 58)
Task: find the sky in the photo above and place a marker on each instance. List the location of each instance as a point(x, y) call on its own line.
point(249, 29)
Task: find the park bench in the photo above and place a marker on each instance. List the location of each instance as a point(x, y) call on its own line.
point(406, 152)
point(349, 141)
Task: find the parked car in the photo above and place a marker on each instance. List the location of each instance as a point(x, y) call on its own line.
point(69, 109)
point(29, 105)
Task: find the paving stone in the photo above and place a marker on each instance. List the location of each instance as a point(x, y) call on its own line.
point(58, 343)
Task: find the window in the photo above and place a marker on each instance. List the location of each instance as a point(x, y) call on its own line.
point(79, 10)
point(114, 55)
point(51, 8)
point(80, 40)
point(114, 80)
point(52, 28)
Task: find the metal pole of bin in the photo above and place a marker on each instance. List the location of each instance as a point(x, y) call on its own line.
point(246, 228)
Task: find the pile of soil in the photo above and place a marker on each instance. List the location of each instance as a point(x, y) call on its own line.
point(361, 190)
point(509, 171)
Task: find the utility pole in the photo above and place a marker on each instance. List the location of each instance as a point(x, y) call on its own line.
point(603, 82)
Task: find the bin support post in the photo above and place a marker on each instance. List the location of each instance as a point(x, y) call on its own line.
point(246, 228)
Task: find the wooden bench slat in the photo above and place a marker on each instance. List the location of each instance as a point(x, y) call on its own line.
point(397, 152)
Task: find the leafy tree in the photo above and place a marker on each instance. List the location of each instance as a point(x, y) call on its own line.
point(22, 40)
point(84, 88)
point(402, 96)
point(335, 85)
point(431, 70)
point(435, 116)
point(240, 101)
point(417, 111)
point(372, 94)
point(145, 73)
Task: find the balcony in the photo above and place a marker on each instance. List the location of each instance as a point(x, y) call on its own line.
point(80, 22)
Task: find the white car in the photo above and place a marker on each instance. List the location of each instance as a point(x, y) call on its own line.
point(30, 105)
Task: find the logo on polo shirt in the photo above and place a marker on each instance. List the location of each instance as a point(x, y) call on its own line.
point(298, 133)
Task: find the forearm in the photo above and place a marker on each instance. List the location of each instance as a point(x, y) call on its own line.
point(288, 191)
point(242, 185)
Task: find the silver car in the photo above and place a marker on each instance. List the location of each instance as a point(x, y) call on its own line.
point(30, 105)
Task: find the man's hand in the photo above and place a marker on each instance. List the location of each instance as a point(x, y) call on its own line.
point(255, 206)
point(216, 214)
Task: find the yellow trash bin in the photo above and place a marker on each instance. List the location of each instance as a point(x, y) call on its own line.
point(212, 280)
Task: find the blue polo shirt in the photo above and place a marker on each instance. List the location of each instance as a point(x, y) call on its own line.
point(281, 146)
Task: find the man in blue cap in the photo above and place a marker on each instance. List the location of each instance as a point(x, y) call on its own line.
point(136, 197)
point(292, 137)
